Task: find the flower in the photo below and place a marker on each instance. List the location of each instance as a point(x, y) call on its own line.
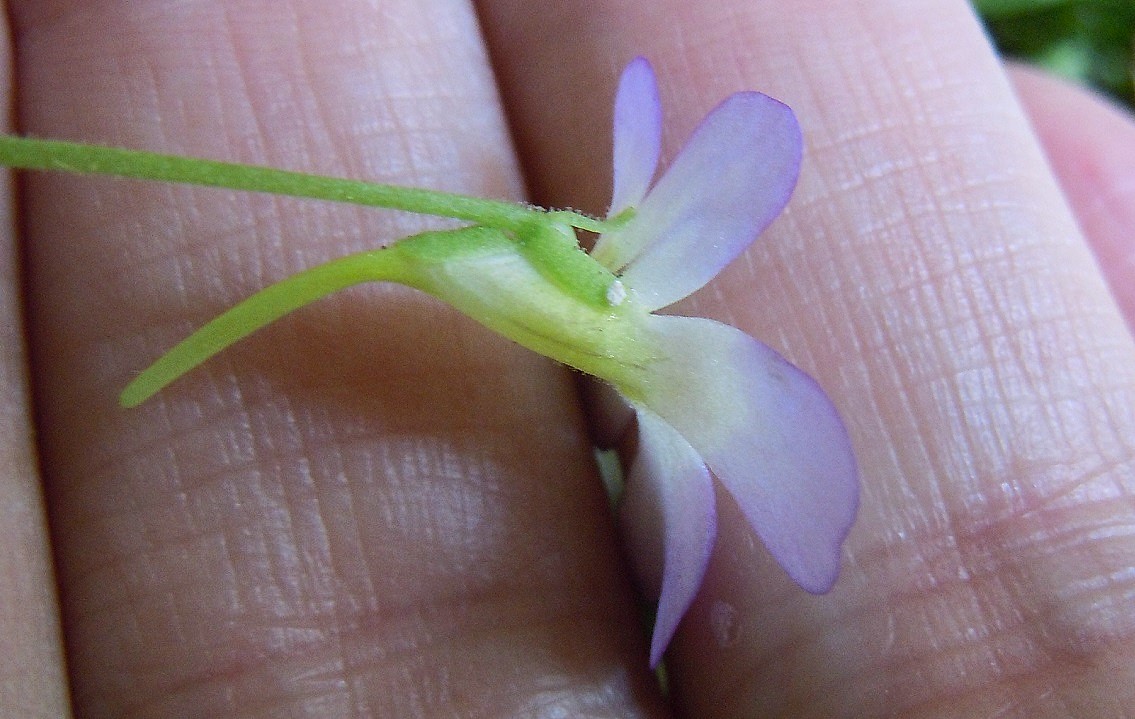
point(719, 401)
point(711, 401)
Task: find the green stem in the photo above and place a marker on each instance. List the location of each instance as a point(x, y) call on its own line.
point(35, 154)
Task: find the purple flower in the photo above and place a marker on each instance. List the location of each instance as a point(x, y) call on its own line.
point(719, 403)
point(711, 401)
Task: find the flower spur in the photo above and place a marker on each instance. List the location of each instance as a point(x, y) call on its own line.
point(710, 400)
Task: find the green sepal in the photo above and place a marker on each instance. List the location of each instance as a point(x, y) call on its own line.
point(554, 251)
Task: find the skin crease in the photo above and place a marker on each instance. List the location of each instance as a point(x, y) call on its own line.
point(338, 519)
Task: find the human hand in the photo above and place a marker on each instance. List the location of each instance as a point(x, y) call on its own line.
point(379, 508)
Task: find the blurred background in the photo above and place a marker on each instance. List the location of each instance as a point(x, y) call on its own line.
point(1090, 41)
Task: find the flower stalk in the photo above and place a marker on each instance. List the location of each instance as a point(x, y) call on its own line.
point(28, 153)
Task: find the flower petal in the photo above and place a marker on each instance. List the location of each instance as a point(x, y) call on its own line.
point(638, 135)
point(724, 188)
point(669, 498)
point(769, 434)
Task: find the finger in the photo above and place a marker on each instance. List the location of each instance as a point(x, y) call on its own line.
point(1091, 146)
point(929, 275)
point(32, 682)
point(373, 508)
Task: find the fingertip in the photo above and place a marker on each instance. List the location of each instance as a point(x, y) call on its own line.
point(1090, 145)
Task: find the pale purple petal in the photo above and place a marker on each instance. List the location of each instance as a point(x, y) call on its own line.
point(769, 434)
point(723, 189)
point(638, 135)
point(669, 499)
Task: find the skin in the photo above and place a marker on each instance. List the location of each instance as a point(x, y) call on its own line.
point(377, 508)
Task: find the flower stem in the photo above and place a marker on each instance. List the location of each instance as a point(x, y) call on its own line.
point(36, 154)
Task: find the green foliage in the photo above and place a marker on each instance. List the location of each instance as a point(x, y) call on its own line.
point(1090, 41)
